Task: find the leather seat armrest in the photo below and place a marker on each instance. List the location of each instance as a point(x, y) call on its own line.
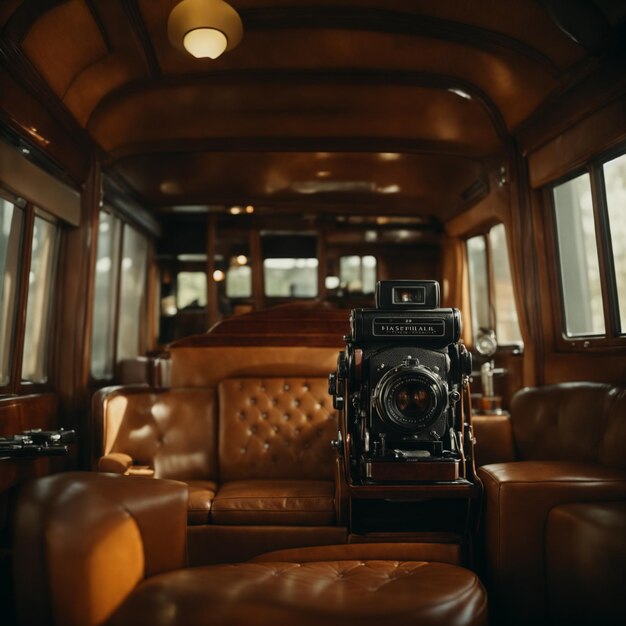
point(494, 439)
point(519, 497)
point(115, 463)
point(83, 541)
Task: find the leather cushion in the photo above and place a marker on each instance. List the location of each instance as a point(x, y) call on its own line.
point(576, 421)
point(276, 428)
point(585, 558)
point(287, 502)
point(332, 593)
point(173, 432)
point(201, 494)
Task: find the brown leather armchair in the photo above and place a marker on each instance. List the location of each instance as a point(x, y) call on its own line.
point(565, 479)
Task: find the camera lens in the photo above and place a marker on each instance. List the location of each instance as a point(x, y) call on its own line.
point(410, 398)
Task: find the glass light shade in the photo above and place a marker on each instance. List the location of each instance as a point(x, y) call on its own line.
point(205, 43)
point(204, 28)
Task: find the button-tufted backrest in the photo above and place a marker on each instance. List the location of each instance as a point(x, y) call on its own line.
point(579, 421)
point(174, 431)
point(275, 428)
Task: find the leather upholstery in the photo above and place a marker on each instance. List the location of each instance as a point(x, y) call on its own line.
point(174, 432)
point(570, 439)
point(519, 497)
point(580, 421)
point(83, 541)
point(100, 549)
point(333, 593)
point(586, 559)
point(494, 439)
point(269, 428)
point(438, 552)
point(282, 502)
point(276, 428)
point(201, 495)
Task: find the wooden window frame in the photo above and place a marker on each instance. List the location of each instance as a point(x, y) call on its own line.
point(614, 337)
point(17, 386)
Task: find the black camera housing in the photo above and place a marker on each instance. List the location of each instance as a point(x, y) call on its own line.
point(399, 384)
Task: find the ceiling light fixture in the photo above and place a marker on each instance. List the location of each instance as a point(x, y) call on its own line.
point(204, 28)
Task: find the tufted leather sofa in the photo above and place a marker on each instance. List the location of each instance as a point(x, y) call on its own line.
point(555, 518)
point(249, 430)
point(103, 550)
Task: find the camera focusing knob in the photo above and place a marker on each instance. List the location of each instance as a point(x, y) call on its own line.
point(337, 443)
point(454, 396)
point(411, 361)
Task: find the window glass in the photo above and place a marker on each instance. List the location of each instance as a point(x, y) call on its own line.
point(290, 278)
point(132, 293)
point(191, 289)
point(105, 296)
point(580, 273)
point(358, 273)
point(239, 281)
point(38, 309)
point(478, 283)
point(507, 324)
point(615, 180)
point(11, 224)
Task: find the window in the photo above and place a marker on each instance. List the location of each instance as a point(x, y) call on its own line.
point(239, 281)
point(290, 266)
point(191, 289)
point(492, 302)
point(105, 301)
point(578, 257)
point(132, 293)
point(11, 226)
point(290, 278)
point(358, 273)
point(119, 295)
point(39, 307)
point(590, 225)
point(479, 283)
point(615, 180)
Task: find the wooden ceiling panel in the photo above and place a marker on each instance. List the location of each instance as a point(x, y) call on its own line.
point(267, 109)
point(98, 80)
point(514, 82)
point(521, 21)
point(444, 84)
point(63, 42)
point(406, 183)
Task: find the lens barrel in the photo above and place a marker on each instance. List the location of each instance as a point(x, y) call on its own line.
point(410, 397)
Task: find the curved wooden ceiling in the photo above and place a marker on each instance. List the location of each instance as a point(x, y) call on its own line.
point(441, 86)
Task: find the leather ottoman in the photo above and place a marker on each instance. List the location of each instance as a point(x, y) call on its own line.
point(317, 593)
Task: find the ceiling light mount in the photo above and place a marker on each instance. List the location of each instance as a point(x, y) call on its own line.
point(204, 28)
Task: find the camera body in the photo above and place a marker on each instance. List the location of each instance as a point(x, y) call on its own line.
point(399, 384)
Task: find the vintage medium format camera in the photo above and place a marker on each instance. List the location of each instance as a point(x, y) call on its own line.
point(399, 384)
